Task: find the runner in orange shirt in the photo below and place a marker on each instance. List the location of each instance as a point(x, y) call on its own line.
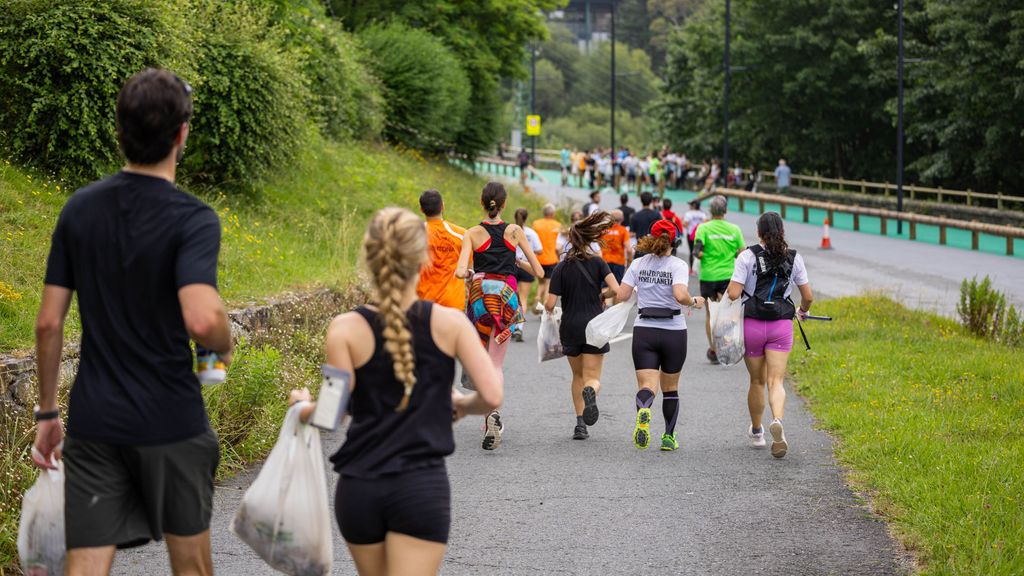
point(617, 250)
point(548, 229)
point(444, 242)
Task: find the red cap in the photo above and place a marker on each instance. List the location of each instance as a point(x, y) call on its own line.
point(664, 227)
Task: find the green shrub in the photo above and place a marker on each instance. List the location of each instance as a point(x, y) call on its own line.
point(61, 67)
point(984, 312)
point(980, 307)
point(250, 97)
point(426, 89)
point(346, 101)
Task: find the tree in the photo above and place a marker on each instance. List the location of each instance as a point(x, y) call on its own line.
point(551, 100)
point(488, 37)
point(636, 83)
point(803, 90)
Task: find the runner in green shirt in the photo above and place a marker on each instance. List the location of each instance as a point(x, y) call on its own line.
point(716, 244)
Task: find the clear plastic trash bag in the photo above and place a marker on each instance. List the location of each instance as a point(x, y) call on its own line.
point(610, 323)
point(549, 343)
point(727, 330)
point(284, 515)
point(41, 530)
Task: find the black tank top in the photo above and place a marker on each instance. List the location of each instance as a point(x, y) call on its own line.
point(496, 256)
point(381, 441)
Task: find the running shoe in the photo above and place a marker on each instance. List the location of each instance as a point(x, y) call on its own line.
point(517, 335)
point(642, 431)
point(669, 442)
point(492, 435)
point(580, 433)
point(538, 309)
point(779, 444)
point(590, 411)
point(756, 440)
point(712, 356)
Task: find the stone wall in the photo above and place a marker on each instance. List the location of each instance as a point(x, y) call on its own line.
point(18, 371)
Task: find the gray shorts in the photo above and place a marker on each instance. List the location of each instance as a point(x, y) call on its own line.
point(129, 495)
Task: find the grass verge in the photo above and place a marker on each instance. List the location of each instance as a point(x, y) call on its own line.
point(301, 229)
point(928, 419)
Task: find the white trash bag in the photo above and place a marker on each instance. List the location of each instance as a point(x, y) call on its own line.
point(727, 330)
point(549, 343)
point(284, 515)
point(610, 323)
point(41, 531)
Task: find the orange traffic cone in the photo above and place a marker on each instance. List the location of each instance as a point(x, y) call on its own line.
point(826, 244)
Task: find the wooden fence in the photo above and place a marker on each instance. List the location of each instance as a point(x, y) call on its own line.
point(884, 216)
point(886, 189)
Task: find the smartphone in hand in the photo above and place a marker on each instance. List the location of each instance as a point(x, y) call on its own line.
point(333, 399)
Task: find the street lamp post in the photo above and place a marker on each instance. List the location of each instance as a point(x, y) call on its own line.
point(728, 80)
point(533, 100)
point(613, 84)
point(899, 115)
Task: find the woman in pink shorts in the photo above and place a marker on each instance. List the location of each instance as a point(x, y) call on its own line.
point(765, 275)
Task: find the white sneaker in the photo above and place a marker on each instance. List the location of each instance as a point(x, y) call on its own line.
point(492, 434)
point(756, 440)
point(779, 445)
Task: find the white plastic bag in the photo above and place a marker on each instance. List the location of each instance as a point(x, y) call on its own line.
point(610, 323)
point(549, 343)
point(284, 515)
point(727, 330)
point(41, 531)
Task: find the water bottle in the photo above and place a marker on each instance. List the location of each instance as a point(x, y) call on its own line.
point(209, 367)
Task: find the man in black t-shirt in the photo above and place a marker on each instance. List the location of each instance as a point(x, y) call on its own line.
point(626, 209)
point(139, 457)
point(641, 222)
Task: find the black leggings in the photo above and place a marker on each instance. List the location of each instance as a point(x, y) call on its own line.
point(416, 503)
point(659, 349)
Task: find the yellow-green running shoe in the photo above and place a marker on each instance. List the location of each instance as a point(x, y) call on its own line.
point(642, 431)
point(669, 442)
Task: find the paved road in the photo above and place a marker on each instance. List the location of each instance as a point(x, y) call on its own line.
point(545, 504)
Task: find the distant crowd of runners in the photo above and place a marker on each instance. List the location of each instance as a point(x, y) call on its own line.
point(139, 454)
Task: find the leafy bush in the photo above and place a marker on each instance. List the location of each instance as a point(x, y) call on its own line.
point(250, 96)
point(426, 90)
point(983, 311)
point(346, 96)
point(61, 67)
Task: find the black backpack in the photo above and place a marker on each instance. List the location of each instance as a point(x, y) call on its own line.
point(767, 301)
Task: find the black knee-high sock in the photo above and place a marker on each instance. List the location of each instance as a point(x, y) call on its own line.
point(670, 409)
point(644, 398)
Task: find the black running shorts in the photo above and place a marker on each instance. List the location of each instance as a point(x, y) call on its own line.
point(659, 349)
point(713, 289)
point(129, 495)
point(523, 277)
point(549, 269)
point(416, 503)
point(574, 350)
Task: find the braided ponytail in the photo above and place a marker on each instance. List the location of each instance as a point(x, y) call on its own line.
point(395, 247)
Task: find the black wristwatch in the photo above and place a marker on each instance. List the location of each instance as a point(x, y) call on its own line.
point(49, 415)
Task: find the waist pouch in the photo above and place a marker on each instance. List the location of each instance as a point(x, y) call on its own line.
point(659, 313)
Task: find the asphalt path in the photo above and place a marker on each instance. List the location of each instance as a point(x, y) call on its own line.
point(546, 504)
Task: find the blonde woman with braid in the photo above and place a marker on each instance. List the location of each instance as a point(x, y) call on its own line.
point(494, 304)
point(393, 496)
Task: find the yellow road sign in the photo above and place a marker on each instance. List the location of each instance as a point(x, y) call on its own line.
point(533, 125)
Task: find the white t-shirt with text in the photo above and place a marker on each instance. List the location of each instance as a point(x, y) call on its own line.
point(654, 276)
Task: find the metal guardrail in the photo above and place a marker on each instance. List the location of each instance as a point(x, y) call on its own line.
point(884, 216)
point(886, 189)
